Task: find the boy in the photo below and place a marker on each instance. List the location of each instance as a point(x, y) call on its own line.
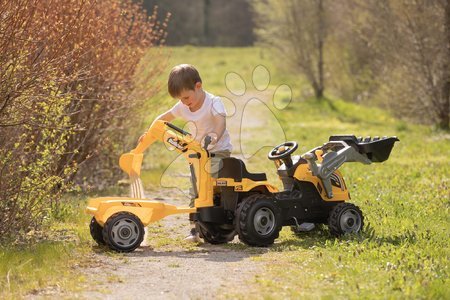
point(205, 113)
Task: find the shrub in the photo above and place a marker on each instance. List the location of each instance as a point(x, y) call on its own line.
point(68, 94)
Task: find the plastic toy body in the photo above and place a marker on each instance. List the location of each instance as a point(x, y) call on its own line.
point(238, 202)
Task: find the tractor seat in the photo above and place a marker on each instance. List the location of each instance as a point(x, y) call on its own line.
point(232, 167)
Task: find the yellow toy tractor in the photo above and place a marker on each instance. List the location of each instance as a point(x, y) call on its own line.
point(235, 201)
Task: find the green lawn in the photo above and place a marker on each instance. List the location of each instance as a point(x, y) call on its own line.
point(404, 251)
point(50, 260)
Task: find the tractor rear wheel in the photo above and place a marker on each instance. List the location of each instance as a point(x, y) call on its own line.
point(123, 232)
point(345, 218)
point(258, 220)
point(215, 234)
point(96, 232)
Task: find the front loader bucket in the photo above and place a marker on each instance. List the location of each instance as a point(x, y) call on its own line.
point(131, 163)
point(377, 149)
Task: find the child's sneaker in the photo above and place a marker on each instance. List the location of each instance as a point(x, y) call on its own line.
point(193, 236)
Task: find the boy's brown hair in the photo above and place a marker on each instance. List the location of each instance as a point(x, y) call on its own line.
point(182, 77)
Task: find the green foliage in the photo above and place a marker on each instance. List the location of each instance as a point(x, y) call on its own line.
point(26, 269)
point(49, 261)
point(66, 97)
point(31, 160)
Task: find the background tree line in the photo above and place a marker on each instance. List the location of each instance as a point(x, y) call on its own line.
point(390, 53)
point(207, 22)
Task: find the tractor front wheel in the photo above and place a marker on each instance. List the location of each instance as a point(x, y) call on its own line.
point(123, 232)
point(345, 218)
point(258, 221)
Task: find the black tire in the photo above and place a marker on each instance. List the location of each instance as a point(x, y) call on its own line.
point(345, 218)
point(123, 232)
point(215, 234)
point(258, 221)
point(96, 232)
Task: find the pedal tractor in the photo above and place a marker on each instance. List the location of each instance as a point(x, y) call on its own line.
point(238, 202)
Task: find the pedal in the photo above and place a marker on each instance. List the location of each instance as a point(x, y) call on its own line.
point(306, 227)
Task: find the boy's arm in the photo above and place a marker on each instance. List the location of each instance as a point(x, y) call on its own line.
point(167, 116)
point(220, 125)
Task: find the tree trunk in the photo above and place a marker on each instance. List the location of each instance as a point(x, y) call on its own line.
point(445, 109)
point(318, 91)
point(206, 13)
point(321, 37)
point(444, 119)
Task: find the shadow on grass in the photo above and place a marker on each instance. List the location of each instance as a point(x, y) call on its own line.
point(321, 238)
point(318, 237)
point(231, 252)
point(408, 237)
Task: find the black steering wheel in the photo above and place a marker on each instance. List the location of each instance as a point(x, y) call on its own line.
point(283, 150)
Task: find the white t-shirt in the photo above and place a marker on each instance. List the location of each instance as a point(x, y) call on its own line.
point(201, 122)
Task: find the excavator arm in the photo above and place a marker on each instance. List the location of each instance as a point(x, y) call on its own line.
point(181, 141)
point(162, 131)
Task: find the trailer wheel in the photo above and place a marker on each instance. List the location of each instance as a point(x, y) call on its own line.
point(96, 232)
point(345, 218)
point(123, 232)
point(215, 234)
point(258, 220)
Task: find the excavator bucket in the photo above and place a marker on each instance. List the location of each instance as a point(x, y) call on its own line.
point(131, 163)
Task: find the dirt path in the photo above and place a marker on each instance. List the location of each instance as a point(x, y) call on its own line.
point(170, 268)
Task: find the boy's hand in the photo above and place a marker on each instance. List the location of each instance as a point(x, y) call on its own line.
point(213, 142)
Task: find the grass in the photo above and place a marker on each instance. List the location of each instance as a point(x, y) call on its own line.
point(26, 270)
point(49, 263)
point(403, 253)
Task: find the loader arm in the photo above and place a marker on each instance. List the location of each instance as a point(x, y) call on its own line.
point(346, 148)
